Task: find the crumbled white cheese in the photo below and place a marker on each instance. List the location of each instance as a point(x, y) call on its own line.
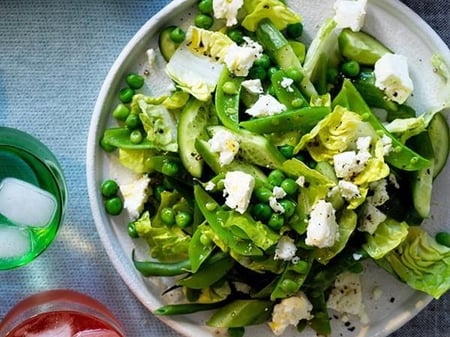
point(239, 59)
point(392, 76)
point(253, 86)
point(286, 83)
point(238, 188)
point(301, 181)
point(393, 180)
point(350, 14)
point(346, 296)
point(135, 195)
point(210, 186)
point(363, 143)
point(348, 164)
point(277, 193)
point(226, 144)
point(290, 311)
point(285, 249)
point(151, 58)
point(380, 194)
point(348, 190)
point(266, 105)
point(387, 145)
point(370, 218)
point(227, 9)
point(322, 230)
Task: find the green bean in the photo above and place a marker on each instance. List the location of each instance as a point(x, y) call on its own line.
point(185, 308)
point(153, 268)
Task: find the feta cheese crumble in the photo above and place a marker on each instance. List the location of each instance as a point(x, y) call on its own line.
point(285, 249)
point(346, 296)
point(348, 164)
point(253, 86)
point(348, 190)
point(238, 188)
point(350, 14)
point(391, 76)
point(322, 230)
point(227, 9)
point(277, 193)
point(239, 59)
point(266, 105)
point(286, 83)
point(290, 311)
point(370, 218)
point(226, 144)
point(135, 195)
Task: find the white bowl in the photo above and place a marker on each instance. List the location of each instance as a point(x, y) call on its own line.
point(390, 21)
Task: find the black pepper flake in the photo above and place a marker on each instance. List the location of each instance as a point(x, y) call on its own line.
point(392, 299)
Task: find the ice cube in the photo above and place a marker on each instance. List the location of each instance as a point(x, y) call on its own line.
point(25, 204)
point(59, 331)
point(96, 333)
point(14, 242)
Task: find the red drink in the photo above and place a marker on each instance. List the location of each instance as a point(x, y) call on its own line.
point(60, 313)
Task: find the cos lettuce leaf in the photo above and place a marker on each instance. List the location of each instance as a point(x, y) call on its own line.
point(422, 263)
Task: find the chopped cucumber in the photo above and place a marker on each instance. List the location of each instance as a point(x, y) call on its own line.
point(166, 45)
point(193, 120)
point(439, 134)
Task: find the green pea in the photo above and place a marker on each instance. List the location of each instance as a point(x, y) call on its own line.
point(350, 68)
point(271, 71)
point(236, 35)
point(203, 21)
point(288, 206)
point(157, 192)
point(443, 238)
point(183, 219)
point(295, 74)
point(126, 95)
point(168, 216)
point(133, 121)
point(131, 229)
point(276, 221)
point(136, 136)
point(356, 268)
point(177, 35)
point(332, 75)
point(301, 267)
point(257, 72)
point(294, 30)
point(106, 146)
point(114, 206)
point(289, 286)
point(205, 6)
point(135, 81)
point(121, 112)
point(263, 61)
point(289, 186)
point(263, 194)
point(109, 188)
point(229, 88)
point(275, 177)
point(262, 211)
point(170, 168)
point(297, 102)
point(236, 332)
point(205, 240)
point(287, 151)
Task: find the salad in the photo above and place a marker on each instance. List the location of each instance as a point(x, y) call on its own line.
point(273, 169)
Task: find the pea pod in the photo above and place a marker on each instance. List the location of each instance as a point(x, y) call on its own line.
point(239, 313)
point(216, 218)
point(170, 166)
point(153, 268)
point(227, 99)
point(291, 280)
point(320, 321)
point(287, 94)
point(185, 308)
point(302, 119)
point(401, 156)
point(120, 138)
point(279, 49)
point(208, 274)
point(198, 249)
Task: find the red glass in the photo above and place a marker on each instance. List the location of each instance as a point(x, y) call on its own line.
point(60, 313)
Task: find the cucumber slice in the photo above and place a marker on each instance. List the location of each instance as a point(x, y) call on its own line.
point(193, 120)
point(166, 45)
point(438, 132)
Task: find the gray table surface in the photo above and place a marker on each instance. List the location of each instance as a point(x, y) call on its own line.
point(54, 56)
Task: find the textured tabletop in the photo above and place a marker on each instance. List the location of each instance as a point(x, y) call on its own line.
point(54, 56)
